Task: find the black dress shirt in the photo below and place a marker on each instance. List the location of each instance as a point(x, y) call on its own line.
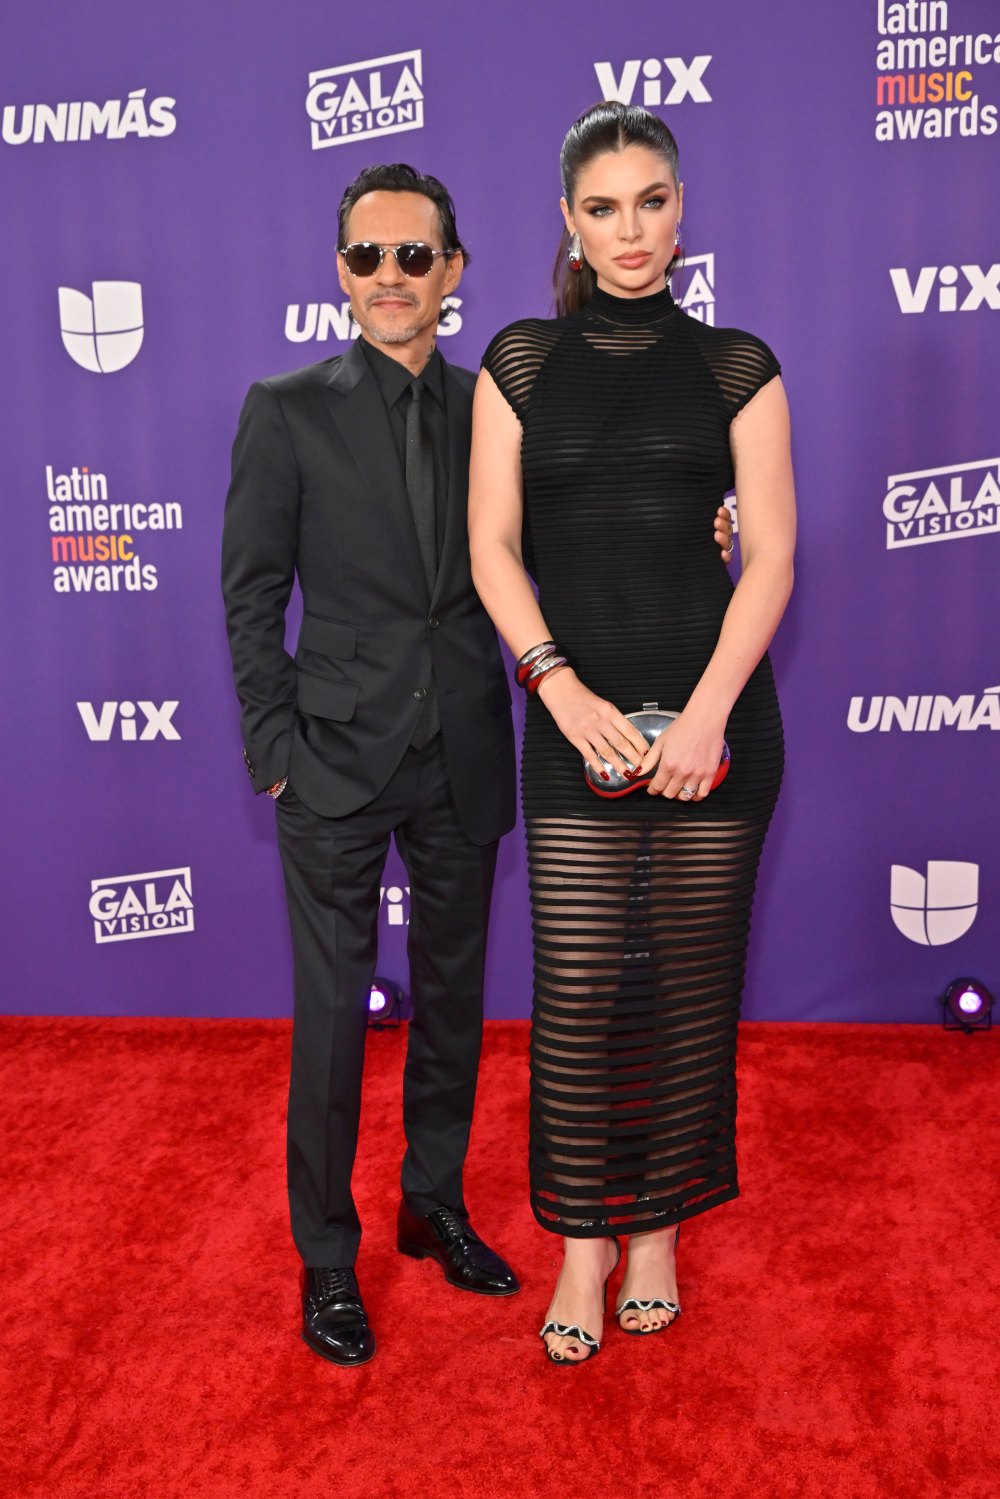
point(394, 381)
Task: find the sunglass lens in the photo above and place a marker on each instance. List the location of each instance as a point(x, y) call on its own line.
point(415, 260)
point(362, 260)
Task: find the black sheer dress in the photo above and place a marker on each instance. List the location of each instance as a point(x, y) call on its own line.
point(640, 906)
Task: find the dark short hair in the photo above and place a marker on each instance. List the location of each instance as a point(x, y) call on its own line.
point(609, 126)
point(400, 178)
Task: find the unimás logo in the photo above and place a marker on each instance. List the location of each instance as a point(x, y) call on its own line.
point(92, 538)
point(101, 719)
point(115, 120)
point(394, 901)
point(358, 100)
point(942, 504)
point(925, 88)
point(925, 713)
point(103, 332)
point(936, 908)
point(307, 322)
point(127, 906)
point(681, 80)
point(935, 288)
point(697, 295)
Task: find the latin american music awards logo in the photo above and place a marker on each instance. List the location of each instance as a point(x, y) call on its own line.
point(359, 100)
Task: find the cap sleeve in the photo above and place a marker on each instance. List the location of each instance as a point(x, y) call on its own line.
point(514, 358)
point(742, 368)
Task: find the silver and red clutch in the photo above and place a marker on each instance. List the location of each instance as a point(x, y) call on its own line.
point(651, 720)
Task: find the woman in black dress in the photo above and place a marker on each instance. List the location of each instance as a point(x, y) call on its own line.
point(603, 441)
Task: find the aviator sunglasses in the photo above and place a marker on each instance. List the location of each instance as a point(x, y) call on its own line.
point(413, 258)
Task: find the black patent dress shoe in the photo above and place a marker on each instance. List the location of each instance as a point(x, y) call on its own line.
point(334, 1320)
point(451, 1240)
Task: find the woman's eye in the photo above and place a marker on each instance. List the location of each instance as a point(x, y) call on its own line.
point(599, 211)
point(654, 202)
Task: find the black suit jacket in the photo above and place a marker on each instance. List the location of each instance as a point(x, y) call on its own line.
point(317, 488)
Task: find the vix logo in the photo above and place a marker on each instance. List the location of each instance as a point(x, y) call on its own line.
point(938, 909)
point(158, 725)
point(102, 333)
point(359, 100)
point(914, 296)
point(686, 80)
point(395, 900)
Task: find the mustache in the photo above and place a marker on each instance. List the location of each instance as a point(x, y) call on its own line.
point(393, 296)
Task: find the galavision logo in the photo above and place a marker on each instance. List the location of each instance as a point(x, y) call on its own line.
point(359, 100)
point(305, 321)
point(686, 80)
point(942, 504)
point(127, 906)
point(938, 909)
point(981, 289)
point(85, 121)
point(102, 333)
point(100, 724)
point(926, 714)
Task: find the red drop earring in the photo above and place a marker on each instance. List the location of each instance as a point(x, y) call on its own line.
point(575, 254)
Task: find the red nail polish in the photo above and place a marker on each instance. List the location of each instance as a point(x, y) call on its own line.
point(605, 776)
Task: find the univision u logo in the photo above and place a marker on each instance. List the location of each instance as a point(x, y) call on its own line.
point(939, 908)
point(103, 333)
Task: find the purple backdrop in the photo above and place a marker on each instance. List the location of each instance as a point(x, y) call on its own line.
point(176, 174)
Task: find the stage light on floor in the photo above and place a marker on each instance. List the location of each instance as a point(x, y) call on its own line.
point(385, 1003)
point(967, 1005)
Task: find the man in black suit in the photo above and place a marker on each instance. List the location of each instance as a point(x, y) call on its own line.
point(392, 720)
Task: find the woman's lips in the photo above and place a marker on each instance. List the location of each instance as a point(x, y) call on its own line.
point(630, 262)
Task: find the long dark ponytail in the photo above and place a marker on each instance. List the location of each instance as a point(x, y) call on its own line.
point(606, 127)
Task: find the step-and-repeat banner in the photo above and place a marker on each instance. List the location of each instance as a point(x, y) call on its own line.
point(170, 181)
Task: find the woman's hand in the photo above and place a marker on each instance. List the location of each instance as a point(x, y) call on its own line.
point(686, 758)
point(593, 726)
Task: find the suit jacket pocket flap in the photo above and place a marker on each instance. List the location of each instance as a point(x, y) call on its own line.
point(328, 637)
point(336, 700)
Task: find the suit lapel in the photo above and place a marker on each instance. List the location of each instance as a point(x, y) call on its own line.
point(455, 539)
point(359, 413)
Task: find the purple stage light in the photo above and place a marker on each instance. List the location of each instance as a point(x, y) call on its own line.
point(384, 1004)
point(967, 1005)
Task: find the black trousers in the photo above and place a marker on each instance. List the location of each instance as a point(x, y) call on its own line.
point(333, 869)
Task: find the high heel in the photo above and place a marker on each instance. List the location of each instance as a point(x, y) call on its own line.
point(592, 1345)
point(632, 1304)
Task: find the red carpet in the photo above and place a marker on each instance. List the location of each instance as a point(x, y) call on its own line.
point(840, 1323)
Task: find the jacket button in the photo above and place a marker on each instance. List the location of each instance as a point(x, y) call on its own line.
point(420, 694)
point(433, 621)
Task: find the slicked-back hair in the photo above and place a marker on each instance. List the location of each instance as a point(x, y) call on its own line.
point(609, 126)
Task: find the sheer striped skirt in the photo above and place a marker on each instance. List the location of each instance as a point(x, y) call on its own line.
point(640, 935)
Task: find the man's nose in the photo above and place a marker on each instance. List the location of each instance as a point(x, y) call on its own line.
point(388, 273)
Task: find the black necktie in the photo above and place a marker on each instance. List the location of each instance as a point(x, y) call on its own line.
point(420, 489)
point(420, 483)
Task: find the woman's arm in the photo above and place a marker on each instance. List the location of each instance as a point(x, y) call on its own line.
point(688, 752)
point(496, 505)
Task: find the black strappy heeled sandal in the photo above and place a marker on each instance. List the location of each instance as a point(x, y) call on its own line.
point(632, 1304)
point(592, 1345)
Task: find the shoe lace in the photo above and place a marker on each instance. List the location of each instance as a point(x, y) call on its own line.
point(451, 1224)
point(334, 1285)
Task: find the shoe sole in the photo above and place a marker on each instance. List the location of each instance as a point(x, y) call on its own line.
point(418, 1252)
point(325, 1353)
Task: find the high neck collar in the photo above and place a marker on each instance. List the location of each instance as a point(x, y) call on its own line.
point(633, 311)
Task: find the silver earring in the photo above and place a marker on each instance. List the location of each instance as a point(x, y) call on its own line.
point(575, 254)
